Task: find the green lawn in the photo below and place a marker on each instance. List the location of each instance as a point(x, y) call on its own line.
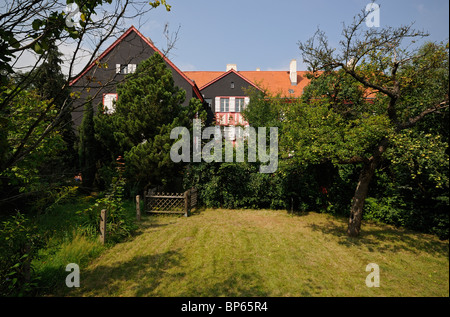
point(265, 253)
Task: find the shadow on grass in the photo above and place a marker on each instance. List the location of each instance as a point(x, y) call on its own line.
point(236, 285)
point(148, 222)
point(383, 238)
point(148, 271)
point(197, 210)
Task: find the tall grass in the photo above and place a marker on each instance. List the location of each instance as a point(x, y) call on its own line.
point(69, 237)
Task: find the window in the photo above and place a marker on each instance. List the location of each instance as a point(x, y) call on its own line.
point(224, 104)
point(209, 103)
point(109, 101)
point(125, 68)
point(239, 104)
point(232, 85)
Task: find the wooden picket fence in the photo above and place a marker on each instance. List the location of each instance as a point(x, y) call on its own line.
point(172, 203)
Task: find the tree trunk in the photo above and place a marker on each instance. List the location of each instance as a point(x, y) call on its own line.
point(367, 172)
point(356, 211)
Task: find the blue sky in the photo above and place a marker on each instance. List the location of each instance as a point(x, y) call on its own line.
point(264, 34)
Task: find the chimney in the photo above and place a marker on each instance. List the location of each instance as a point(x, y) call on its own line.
point(293, 72)
point(231, 66)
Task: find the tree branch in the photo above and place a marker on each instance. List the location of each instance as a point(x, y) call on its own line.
point(413, 120)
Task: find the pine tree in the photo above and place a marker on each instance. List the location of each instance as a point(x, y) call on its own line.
point(149, 105)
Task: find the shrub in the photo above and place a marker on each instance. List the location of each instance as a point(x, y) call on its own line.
point(19, 243)
point(117, 226)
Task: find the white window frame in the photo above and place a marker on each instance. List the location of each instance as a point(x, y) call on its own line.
point(125, 69)
point(239, 104)
point(109, 101)
point(224, 104)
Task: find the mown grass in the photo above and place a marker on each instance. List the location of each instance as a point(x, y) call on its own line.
point(265, 253)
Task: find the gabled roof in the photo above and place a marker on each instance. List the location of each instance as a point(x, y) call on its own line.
point(149, 43)
point(276, 82)
point(231, 71)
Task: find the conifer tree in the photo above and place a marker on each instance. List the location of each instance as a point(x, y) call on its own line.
point(149, 105)
point(87, 147)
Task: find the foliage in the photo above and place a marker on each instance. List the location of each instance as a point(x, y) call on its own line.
point(69, 233)
point(25, 177)
point(28, 118)
point(405, 88)
point(88, 147)
point(241, 185)
point(38, 27)
point(19, 243)
point(317, 133)
point(423, 154)
point(48, 22)
point(342, 123)
point(117, 225)
point(263, 109)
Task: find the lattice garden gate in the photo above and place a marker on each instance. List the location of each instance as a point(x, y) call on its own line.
point(172, 203)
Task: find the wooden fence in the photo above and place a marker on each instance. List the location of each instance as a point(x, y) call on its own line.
point(172, 203)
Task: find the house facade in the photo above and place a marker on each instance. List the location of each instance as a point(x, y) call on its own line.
point(100, 79)
point(224, 92)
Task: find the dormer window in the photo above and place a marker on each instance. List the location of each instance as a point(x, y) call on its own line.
point(125, 68)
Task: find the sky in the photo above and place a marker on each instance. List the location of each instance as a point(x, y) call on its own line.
point(265, 34)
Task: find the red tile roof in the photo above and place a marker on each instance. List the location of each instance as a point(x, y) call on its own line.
point(276, 82)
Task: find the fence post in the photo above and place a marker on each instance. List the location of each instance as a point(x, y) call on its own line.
point(187, 195)
point(103, 226)
point(138, 208)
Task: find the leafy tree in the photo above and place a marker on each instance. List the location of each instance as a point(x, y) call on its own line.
point(24, 178)
point(407, 86)
point(47, 79)
point(263, 109)
point(33, 26)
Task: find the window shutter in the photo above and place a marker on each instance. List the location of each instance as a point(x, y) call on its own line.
point(217, 105)
point(246, 102)
point(232, 104)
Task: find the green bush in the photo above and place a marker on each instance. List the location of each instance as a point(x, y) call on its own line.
point(240, 185)
point(19, 243)
point(117, 225)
